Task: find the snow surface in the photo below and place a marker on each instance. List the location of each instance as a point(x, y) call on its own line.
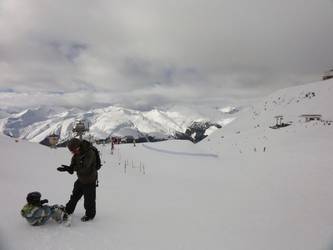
point(246, 186)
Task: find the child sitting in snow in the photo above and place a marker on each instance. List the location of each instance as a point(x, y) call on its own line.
point(38, 214)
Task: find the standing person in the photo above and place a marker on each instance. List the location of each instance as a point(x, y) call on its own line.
point(84, 164)
point(112, 146)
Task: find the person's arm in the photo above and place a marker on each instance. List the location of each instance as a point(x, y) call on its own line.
point(69, 169)
point(32, 214)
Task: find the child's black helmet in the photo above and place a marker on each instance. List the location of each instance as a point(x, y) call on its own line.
point(34, 198)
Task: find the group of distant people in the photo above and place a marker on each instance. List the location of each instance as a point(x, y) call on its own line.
point(84, 163)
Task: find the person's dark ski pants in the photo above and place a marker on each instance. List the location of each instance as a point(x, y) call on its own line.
point(88, 191)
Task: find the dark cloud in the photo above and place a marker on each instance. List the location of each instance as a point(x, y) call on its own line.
point(70, 51)
point(154, 52)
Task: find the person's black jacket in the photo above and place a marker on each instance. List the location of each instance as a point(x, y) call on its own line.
point(84, 164)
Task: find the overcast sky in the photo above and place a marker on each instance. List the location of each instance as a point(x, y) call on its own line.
point(152, 53)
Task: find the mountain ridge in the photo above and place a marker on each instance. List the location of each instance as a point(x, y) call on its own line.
point(36, 124)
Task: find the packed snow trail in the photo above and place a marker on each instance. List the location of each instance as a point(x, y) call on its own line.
point(180, 153)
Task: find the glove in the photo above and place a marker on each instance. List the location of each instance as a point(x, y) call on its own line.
point(61, 169)
point(64, 168)
point(44, 201)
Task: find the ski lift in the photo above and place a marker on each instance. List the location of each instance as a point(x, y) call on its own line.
point(328, 75)
point(80, 128)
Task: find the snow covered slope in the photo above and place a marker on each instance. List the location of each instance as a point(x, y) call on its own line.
point(291, 104)
point(244, 187)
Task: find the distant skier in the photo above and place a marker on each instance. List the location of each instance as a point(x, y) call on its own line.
point(112, 146)
point(84, 163)
point(38, 214)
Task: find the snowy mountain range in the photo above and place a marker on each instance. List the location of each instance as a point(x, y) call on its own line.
point(36, 124)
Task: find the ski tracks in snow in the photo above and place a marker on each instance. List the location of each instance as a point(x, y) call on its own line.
point(180, 153)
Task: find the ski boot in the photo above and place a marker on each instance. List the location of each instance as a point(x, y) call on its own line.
point(86, 218)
